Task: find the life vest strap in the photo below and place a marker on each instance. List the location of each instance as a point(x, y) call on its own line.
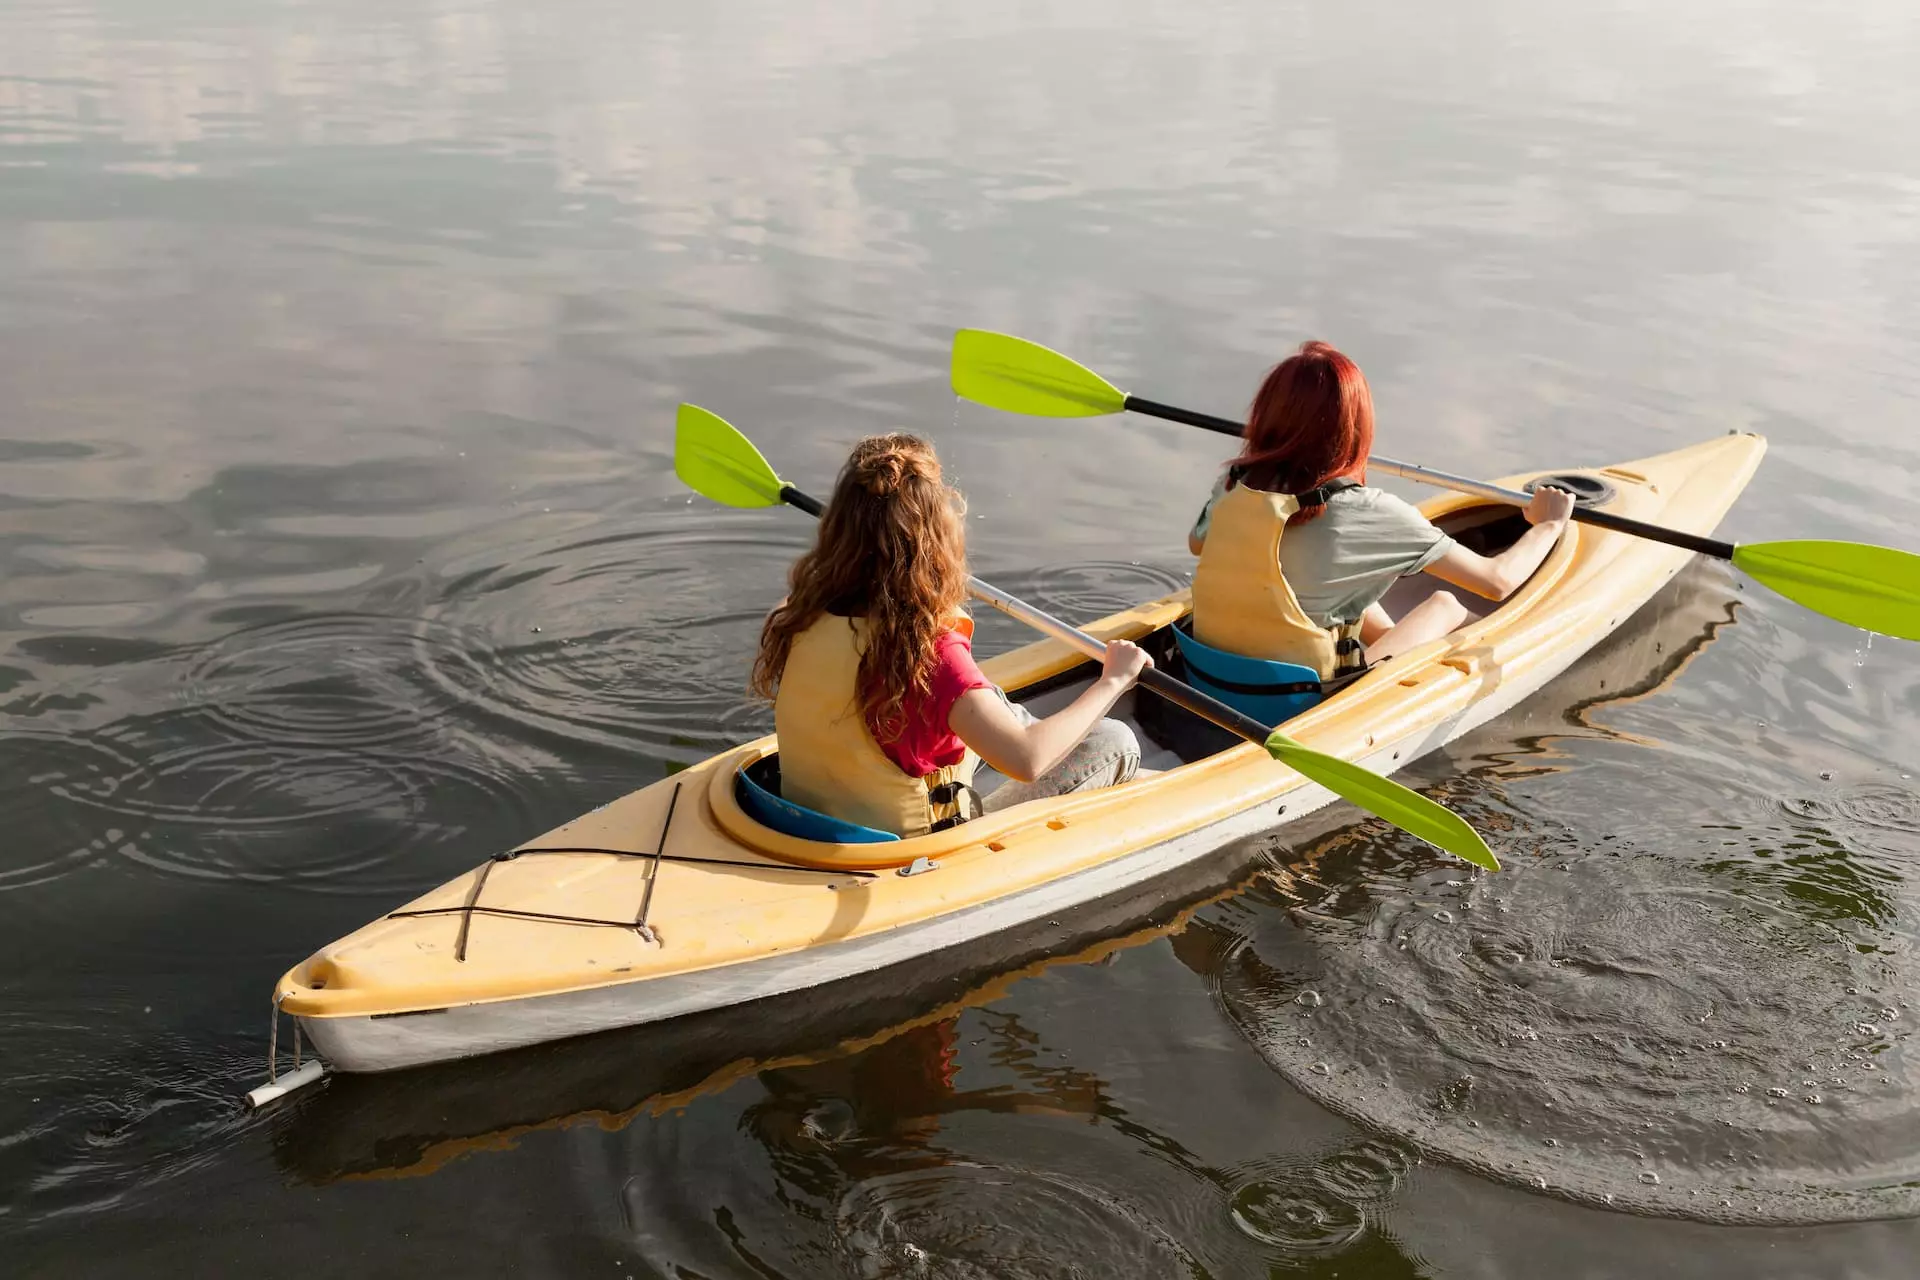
point(956, 793)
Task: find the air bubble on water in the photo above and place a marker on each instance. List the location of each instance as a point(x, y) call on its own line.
point(1777, 1092)
point(1539, 1182)
point(1649, 1177)
point(1812, 1097)
point(1889, 1014)
point(1443, 916)
point(1740, 1088)
point(1309, 999)
point(1321, 1069)
point(1865, 1029)
point(1826, 775)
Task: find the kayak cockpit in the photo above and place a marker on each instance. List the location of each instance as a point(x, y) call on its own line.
point(744, 793)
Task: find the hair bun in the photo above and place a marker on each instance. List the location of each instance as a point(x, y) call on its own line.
point(882, 465)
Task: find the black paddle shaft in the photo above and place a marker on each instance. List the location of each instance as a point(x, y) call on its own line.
point(1585, 515)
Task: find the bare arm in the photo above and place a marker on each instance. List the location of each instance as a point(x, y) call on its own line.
point(1025, 751)
point(1499, 576)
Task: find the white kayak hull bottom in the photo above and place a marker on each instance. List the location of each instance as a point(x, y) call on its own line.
point(390, 1042)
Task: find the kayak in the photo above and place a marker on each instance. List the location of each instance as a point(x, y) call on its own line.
point(675, 900)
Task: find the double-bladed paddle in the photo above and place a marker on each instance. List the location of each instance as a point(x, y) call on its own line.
point(1868, 586)
point(713, 459)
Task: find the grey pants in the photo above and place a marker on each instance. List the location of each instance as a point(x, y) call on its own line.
point(1106, 757)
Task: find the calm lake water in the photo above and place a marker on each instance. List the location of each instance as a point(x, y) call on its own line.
point(339, 346)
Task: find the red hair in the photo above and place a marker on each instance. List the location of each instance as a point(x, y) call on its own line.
point(1311, 422)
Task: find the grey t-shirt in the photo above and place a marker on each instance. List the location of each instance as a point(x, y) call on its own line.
point(1342, 562)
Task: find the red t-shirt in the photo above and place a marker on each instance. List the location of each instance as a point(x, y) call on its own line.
point(928, 743)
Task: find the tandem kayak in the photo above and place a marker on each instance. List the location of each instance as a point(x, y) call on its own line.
point(674, 899)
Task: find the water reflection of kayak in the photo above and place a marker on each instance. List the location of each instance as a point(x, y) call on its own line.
point(541, 943)
point(398, 1126)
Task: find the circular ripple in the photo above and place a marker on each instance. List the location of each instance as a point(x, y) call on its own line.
point(1364, 1172)
point(633, 637)
point(1095, 588)
point(318, 817)
point(46, 781)
point(1612, 1028)
point(967, 1220)
point(357, 680)
point(1873, 818)
point(1295, 1216)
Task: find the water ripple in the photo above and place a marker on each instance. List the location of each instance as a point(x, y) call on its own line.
point(1606, 1025)
point(345, 680)
point(1296, 1217)
point(320, 817)
point(1095, 588)
point(47, 781)
point(966, 1220)
point(89, 1139)
point(618, 639)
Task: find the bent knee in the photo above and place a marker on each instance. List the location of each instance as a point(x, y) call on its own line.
point(1113, 742)
point(1448, 604)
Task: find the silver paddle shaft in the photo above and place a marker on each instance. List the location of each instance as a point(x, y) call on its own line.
point(1039, 619)
point(1446, 480)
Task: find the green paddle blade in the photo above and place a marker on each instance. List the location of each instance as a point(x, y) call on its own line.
point(1877, 588)
point(714, 460)
point(1005, 372)
point(1406, 809)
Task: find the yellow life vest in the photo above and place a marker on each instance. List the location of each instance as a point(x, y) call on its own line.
point(1243, 605)
point(829, 761)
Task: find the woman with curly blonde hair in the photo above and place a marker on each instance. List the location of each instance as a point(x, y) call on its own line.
point(880, 709)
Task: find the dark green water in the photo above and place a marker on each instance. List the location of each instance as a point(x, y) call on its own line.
point(339, 548)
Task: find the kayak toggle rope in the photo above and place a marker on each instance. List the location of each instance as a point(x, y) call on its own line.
point(273, 1043)
point(638, 925)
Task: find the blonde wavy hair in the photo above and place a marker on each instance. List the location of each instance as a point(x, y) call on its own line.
point(892, 549)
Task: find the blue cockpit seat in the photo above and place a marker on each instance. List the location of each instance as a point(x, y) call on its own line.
point(757, 788)
point(1270, 692)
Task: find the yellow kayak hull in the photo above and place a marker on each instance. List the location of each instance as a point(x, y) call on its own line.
point(540, 943)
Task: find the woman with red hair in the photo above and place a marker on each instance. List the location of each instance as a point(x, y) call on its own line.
point(1312, 596)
